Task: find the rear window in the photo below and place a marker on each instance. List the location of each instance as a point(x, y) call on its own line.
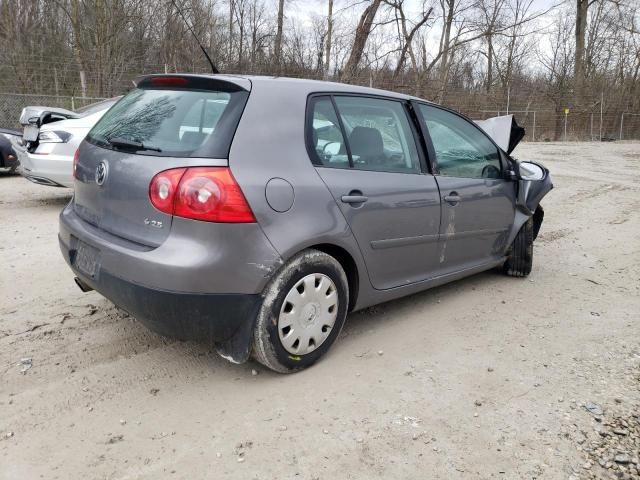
point(176, 123)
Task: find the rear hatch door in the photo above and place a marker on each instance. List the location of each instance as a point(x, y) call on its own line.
point(169, 122)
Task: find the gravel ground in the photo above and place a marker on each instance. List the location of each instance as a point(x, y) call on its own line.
point(489, 377)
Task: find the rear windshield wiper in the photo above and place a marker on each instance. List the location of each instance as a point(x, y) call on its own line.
point(126, 143)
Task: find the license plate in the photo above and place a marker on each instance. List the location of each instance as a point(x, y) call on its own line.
point(86, 259)
point(30, 133)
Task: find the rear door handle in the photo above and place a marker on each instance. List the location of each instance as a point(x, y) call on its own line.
point(354, 197)
point(452, 198)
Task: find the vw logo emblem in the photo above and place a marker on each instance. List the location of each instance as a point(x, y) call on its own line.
point(101, 173)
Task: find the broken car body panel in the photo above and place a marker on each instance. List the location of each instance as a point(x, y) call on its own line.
point(34, 117)
point(504, 130)
point(531, 191)
point(529, 195)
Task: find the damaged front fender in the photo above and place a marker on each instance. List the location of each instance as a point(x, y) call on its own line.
point(530, 191)
point(529, 195)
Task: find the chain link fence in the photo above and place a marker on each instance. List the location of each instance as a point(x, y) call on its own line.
point(540, 124)
point(11, 105)
point(549, 125)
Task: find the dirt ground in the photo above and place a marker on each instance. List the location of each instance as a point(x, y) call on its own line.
point(489, 377)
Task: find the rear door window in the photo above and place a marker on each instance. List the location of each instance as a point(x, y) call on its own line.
point(363, 133)
point(378, 134)
point(326, 139)
point(180, 122)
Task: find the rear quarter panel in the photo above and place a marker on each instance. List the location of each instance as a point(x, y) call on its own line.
point(269, 143)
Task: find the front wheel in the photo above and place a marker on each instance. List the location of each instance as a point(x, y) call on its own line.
point(520, 257)
point(303, 310)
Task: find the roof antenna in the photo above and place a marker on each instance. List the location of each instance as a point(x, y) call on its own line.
point(213, 67)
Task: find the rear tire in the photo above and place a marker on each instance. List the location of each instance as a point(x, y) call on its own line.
point(313, 316)
point(520, 257)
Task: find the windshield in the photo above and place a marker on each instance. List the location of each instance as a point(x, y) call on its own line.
point(184, 123)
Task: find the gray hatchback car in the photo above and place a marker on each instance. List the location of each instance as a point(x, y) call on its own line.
point(253, 213)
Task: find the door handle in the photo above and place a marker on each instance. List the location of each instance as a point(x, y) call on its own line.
point(355, 197)
point(453, 198)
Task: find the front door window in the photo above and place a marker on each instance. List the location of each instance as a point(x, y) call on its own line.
point(462, 149)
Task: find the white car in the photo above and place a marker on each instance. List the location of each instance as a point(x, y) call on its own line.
point(51, 137)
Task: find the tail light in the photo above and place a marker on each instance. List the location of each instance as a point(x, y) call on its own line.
point(49, 136)
point(75, 163)
point(210, 194)
point(169, 81)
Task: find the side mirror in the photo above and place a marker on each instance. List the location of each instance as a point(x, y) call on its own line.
point(530, 171)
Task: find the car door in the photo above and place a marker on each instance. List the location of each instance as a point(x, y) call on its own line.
point(478, 201)
point(364, 149)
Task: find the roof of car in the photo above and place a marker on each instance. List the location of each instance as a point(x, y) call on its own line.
point(324, 86)
point(300, 84)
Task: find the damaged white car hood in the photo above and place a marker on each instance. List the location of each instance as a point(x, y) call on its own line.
point(503, 130)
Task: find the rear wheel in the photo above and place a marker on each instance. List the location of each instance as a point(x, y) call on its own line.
point(303, 310)
point(520, 258)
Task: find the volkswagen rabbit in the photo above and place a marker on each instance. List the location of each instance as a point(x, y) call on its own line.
point(255, 213)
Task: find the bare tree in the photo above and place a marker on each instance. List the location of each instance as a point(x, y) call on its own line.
point(407, 36)
point(96, 47)
point(360, 39)
point(491, 21)
point(558, 65)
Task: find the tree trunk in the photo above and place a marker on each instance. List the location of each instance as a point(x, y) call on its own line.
point(445, 46)
point(489, 62)
point(327, 50)
point(77, 41)
point(362, 34)
point(558, 124)
point(99, 35)
point(278, 43)
point(230, 59)
point(582, 9)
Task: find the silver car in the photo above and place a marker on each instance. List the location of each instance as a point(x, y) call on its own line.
point(52, 137)
point(254, 213)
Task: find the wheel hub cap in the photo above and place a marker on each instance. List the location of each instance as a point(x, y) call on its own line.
point(308, 314)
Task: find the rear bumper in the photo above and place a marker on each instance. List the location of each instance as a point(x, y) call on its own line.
point(172, 289)
point(52, 170)
point(210, 318)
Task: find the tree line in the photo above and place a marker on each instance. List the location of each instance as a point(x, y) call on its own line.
point(474, 55)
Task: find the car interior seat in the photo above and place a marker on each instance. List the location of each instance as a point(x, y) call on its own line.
point(366, 143)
